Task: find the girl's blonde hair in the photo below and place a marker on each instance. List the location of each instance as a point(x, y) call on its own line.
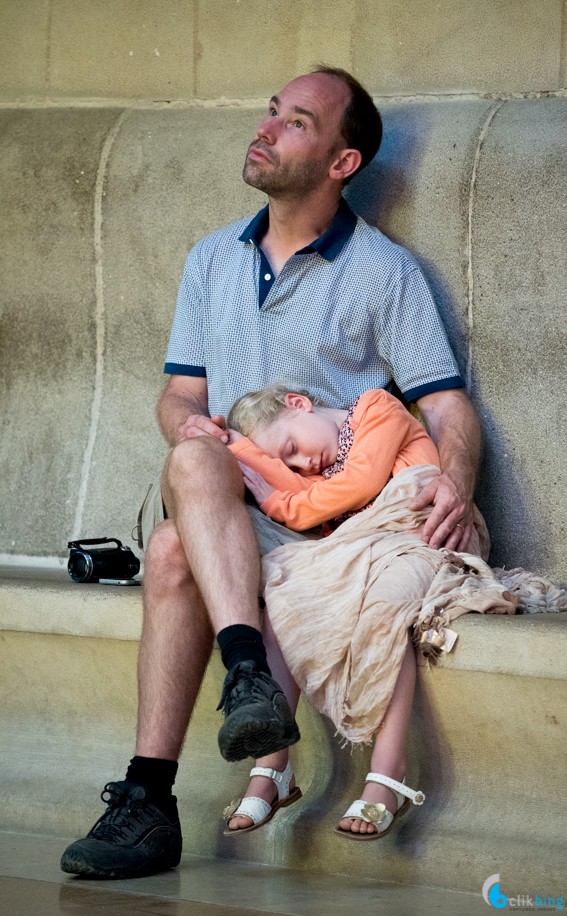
point(260, 408)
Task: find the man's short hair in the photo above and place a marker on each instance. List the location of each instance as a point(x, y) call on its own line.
point(361, 124)
point(260, 408)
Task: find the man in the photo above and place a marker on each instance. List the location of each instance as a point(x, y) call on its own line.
point(305, 293)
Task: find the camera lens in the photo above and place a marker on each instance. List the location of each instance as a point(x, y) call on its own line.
point(80, 566)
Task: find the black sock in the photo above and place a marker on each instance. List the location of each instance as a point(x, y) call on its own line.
point(156, 775)
point(241, 643)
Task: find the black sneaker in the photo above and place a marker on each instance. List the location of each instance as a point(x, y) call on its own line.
point(258, 720)
point(133, 838)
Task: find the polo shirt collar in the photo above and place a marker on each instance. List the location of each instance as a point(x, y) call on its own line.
point(328, 245)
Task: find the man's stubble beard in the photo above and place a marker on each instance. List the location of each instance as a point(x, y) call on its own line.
point(292, 180)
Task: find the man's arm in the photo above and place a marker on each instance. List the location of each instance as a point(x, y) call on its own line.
point(454, 427)
point(182, 411)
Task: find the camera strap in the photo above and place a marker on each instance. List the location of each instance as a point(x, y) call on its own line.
point(89, 542)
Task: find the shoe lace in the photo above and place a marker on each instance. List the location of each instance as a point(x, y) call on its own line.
point(242, 683)
point(124, 815)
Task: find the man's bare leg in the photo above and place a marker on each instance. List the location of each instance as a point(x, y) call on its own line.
point(388, 755)
point(175, 646)
point(177, 633)
point(139, 833)
point(203, 492)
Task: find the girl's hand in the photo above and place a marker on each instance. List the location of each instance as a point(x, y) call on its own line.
point(233, 436)
point(258, 486)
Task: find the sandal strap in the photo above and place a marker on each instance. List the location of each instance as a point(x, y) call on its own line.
point(257, 809)
point(281, 779)
point(400, 788)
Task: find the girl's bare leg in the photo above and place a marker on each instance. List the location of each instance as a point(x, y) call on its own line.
point(388, 756)
point(262, 786)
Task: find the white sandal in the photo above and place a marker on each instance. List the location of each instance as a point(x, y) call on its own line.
point(257, 809)
point(378, 814)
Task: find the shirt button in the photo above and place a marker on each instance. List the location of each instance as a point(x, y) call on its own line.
point(267, 276)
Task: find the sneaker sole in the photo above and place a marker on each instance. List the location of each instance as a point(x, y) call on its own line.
point(254, 739)
point(78, 866)
point(159, 851)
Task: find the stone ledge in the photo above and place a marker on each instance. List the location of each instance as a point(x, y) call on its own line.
point(530, 645)
point(37, 601)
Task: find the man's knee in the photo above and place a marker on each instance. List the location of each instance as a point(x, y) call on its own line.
point(201, 464)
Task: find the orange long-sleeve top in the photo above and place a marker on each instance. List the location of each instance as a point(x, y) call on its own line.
point(386, 439)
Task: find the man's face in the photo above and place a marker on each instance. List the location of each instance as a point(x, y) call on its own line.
point(299, 137)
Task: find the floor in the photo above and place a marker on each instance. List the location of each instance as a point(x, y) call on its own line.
point(31, 884)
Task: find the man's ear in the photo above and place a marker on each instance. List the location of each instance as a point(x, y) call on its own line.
point(345, 164)
point(298, 402)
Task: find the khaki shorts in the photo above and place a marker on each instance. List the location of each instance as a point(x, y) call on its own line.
point(270, 534)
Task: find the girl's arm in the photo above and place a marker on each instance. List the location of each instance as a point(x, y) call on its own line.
point(273, 470)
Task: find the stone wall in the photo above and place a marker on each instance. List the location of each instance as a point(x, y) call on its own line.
point(213, 49)
point(123, 127)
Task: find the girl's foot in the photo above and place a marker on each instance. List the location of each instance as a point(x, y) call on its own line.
point(375, 794)
point(262, 787)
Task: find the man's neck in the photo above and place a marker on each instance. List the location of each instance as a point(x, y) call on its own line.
point(294, 224)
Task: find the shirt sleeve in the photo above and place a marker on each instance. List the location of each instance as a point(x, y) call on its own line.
point(186, 352)
point(412, 340)
point(381, 432)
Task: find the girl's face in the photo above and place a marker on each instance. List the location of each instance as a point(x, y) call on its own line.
point(303, 437)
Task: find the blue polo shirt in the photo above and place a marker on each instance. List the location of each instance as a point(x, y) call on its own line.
point(349, 312)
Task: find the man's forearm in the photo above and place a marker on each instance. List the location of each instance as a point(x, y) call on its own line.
point(173, 409)
point(454, 427)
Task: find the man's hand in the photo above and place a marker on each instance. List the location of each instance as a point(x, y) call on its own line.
point(450, 524)
point(453, 425)
point(199, 425)
point(258, 486)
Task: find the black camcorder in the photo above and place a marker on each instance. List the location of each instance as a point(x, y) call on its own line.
point(117, 563)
